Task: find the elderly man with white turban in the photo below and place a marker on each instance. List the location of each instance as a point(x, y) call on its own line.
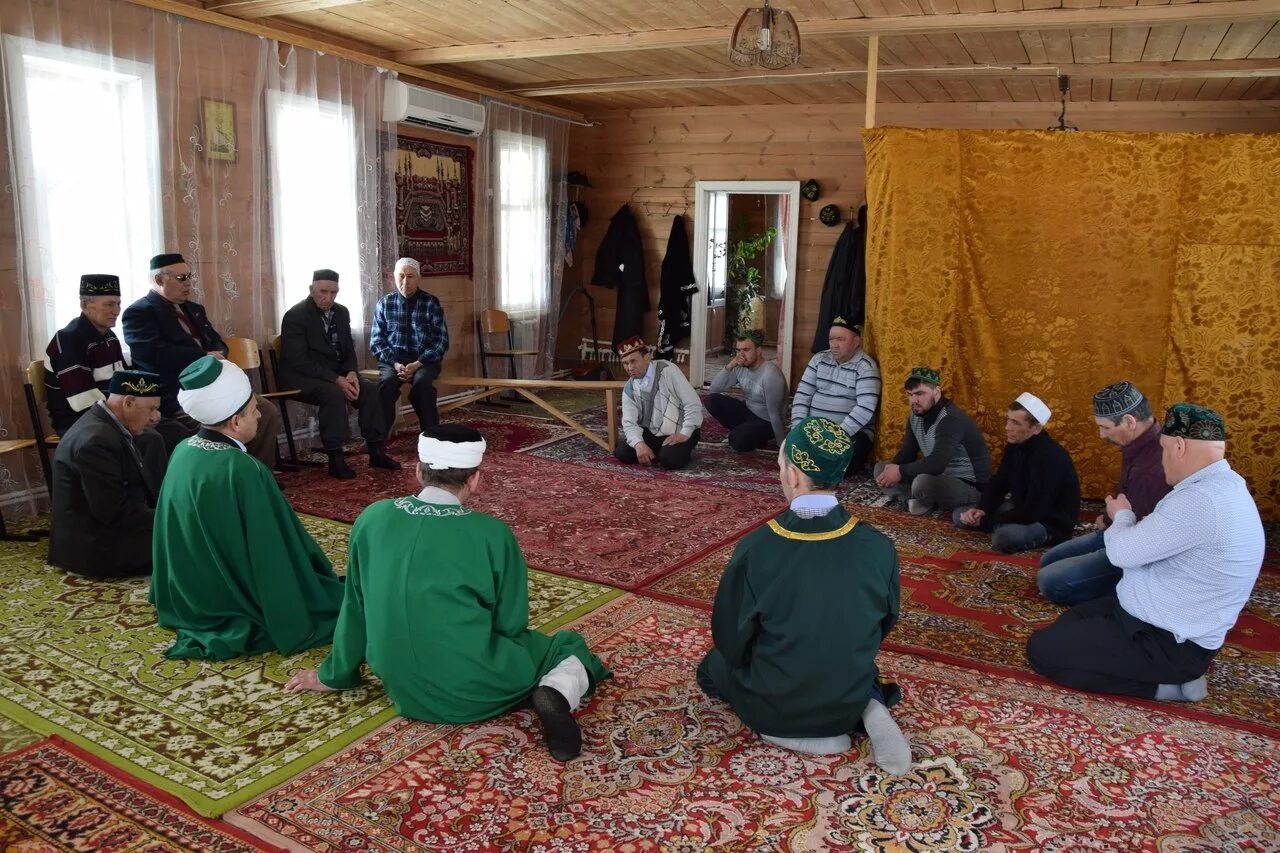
point(409, 340)
point(233, 570)
point(1034, 498)
point(437, 603)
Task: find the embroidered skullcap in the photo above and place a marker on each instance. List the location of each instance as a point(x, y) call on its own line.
point(409, 262)
point(325, 275)
point(925, 374)
point(1198, 423)
point(212, 390)
point(1035, 406)
point(856, 328)
point(134, 383)
point(1115, 400)
point(166, 260)
point(819, 448)
point(630, 345)
point(451, 446)
point(99, 285)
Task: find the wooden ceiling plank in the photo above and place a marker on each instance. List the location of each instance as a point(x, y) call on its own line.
point(1262, 90)
point(1091, 45)
point(1009, 5)
point(1081, 4)
point(1125, 90)
point(1200, 42)
point(1236, 88)
point(1045, 89)
point(1189, 90)
point(1210, 91)
point(1100, 90)
point(1168, 90)
point(1241, 39)
point(1162, 43)
point(1269, 47)
point(903, 89)
point(1057, 47)
point(1033, 44)
point(941, 7)
point(253, 9)
point(960, 90)
point(1128, 43)
point(1148, 89)
point(991, 91)
point(1007, 48)
point(953, 52)
point(975, 44)
point(1023, 90)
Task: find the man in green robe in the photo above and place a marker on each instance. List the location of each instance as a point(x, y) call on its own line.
point(234, 571)
point(437, 602)
point(801, 611)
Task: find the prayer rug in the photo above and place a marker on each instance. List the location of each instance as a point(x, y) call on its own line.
point(14, 735)
point(979, 608)
point(999, 764)
point(84, 659)
point(572, 519)
point(54, 796)
point(433, 204)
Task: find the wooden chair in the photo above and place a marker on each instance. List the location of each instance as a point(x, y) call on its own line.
point(9, 446)
point(274, 353)
point(247, 355)
point(37, 398)
point(495, 322)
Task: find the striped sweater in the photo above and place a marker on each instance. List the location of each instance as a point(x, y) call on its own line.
point(847, 393)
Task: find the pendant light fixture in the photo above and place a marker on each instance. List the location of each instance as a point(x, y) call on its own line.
point(1064, 88)
point(765, 36)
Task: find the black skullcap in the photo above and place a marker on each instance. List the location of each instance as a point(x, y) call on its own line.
point(167, 260)
point(325, 275)
point(99, 285)
point(135, 383)
point(856, 328)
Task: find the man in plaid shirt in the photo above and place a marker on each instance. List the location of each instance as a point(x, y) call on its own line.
point(409, 340)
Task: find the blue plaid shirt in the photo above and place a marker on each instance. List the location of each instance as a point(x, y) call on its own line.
point(406, 330)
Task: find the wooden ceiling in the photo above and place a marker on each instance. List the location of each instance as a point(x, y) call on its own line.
point(593, 55)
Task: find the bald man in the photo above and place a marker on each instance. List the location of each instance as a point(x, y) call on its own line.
point(1187, 571)
point(409, 340)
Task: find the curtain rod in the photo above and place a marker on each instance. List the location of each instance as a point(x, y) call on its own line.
point(522, 108)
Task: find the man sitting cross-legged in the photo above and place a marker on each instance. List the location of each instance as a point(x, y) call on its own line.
point(1188, 569)
point(661, 413)
point(757, 417)
point(801, 611)
point(234, 571)
point(437, 603)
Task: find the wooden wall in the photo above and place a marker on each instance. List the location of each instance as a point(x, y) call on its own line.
point(652, 157)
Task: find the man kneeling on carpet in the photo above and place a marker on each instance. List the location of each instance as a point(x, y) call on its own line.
point(234, 571)
point(437, 602)
point(1187, 571)
point(661, 413)
point(801, 611)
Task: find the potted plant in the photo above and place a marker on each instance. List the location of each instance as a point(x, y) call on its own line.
point(743, 299)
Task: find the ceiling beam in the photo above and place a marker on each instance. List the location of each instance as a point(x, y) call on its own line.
point(250, 9)
point(1182, 14)
point(1101, 71)
point(369, 57)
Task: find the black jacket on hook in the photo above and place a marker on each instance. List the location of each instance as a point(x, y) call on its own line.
point(678, 287)
point(844, 292)
point(620, 264)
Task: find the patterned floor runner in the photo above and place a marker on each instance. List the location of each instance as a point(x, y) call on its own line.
point(85, 660)
point(967, 605)
point(54, 796)
point(572, 519)
point(999, 764)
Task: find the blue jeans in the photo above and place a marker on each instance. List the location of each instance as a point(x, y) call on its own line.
point(1009, 538)
point(1077, 570)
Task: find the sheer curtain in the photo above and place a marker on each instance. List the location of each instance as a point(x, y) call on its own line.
point(130, 132)
point(520, 245)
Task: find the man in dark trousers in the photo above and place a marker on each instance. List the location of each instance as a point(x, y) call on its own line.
point(318, 357)
point(104, 493)
point(166, 331)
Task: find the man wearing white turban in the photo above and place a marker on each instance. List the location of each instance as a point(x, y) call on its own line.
point(409, 340)
point(437, 603)
point(234, 571)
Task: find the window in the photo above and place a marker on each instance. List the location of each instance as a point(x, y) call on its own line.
point(87, 165)
point(313, 183)
point(524, 180)
point(718, 249)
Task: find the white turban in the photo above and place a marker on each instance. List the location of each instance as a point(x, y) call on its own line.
point(1035, 406)
point(439, 455)
point(409, 262)
point(212, 390)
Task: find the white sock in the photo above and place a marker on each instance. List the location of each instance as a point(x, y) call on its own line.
point(812, 745)
point(1191, 691)
point(569, 678)
point(889, 748)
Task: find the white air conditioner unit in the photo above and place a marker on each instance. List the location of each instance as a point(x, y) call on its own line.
point(420, 107)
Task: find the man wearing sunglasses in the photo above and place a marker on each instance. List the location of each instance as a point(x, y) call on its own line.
point(166, 331)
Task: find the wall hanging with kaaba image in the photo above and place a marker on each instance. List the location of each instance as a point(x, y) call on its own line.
point(433, 205)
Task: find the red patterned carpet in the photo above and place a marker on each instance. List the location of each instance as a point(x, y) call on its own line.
point(55, 796)
point(977, 608)
point(570, 519)
point(1000, 764)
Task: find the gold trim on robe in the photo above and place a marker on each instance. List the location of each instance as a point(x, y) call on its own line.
point(812, 537)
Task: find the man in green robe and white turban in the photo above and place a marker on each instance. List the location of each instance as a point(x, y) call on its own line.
point(234, 571)
point(801, 611)
point(437, 603)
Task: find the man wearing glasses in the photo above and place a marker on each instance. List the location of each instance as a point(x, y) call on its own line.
point(166, 331)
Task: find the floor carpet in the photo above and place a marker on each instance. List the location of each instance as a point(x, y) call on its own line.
point(54, 796)
point(573, 520)
point(84, 659)
point(1000, 764)
point(974, 607)
point(14, 735)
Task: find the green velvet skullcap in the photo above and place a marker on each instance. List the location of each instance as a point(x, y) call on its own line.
point(167, 260)
point(1198, 423)
point(925, 374)
point(99, 285)
point(819, 448)
point(134, 383)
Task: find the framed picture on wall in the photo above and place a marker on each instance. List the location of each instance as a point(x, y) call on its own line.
point(218, 129)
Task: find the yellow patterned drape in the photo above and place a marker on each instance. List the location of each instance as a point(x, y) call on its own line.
point(1058, 263)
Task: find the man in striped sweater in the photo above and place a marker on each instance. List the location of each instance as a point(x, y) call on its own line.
point(661, 413)
point(842, 384)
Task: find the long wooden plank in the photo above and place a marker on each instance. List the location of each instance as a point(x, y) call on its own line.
point(1227, 12)
point(250, 9)
point(497, 382)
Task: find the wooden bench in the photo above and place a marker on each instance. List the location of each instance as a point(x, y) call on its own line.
point(527, 388)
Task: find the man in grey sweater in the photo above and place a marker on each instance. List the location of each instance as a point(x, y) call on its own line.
point(661, 413)
point(756, 418)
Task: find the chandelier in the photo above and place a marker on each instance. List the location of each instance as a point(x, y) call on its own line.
point(765, 36)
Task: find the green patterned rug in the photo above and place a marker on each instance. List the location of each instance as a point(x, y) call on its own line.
point(14, 735)
point(85, 660)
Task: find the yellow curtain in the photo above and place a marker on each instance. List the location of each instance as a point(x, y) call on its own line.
point(1057, 263)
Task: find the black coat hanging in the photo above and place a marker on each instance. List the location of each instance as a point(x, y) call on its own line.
point(620, 264)
point(844, 291)
point(677, 288)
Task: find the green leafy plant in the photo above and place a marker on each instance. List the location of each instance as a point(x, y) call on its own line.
point(744, 282)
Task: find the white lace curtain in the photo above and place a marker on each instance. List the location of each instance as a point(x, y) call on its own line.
point(130, 132)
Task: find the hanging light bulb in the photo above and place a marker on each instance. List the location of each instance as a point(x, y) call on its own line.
point(765, 36)
point(1064, 88)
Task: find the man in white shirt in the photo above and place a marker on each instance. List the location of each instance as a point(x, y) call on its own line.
point(1188, 569)
point(661, 413)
